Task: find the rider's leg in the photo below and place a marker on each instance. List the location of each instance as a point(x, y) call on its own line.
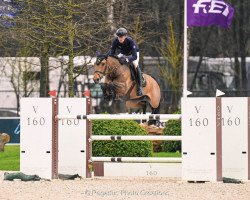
point(138, 76)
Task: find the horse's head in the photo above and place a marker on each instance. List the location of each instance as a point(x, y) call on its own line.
point(100, 68)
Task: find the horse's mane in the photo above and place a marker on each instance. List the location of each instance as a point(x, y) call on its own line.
point(114, 56)
point(115, 60)
point(105, 56)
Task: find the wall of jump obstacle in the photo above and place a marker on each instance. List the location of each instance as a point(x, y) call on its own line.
point(56, 137)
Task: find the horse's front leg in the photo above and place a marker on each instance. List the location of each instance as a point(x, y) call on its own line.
point(117, 89)
point(112, 90)
point(105, 88)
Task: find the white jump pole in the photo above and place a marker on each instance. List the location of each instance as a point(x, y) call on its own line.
point(122, 116)
point(136, 137)
point(137, 159)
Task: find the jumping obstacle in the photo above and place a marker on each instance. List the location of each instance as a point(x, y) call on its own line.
point(52, 130)
point(41, 123)
point(122, 116)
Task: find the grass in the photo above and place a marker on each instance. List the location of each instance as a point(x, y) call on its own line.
point(167, 154)
point(10, 158)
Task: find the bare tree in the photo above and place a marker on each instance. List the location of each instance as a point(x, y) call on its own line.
point(62, 27)
point(22, 73)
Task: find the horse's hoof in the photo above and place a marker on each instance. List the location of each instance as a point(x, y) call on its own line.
point(112, 96)
point(107, 98)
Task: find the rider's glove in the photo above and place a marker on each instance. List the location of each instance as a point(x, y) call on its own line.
point(123, 60)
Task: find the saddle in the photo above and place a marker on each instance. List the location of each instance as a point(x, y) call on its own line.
point(132, 71)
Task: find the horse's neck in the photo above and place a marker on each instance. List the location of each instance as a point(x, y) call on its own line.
point(118, 71)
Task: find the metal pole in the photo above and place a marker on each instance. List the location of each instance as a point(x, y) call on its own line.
point(137, 159)
point(136, 137)
point(185, 59)
point(122, 116)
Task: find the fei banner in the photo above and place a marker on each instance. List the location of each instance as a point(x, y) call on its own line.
point(209, 12)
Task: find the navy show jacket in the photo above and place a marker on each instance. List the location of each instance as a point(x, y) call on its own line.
point(128, 48)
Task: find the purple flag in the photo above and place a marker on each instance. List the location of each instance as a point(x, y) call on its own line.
point(209, 12)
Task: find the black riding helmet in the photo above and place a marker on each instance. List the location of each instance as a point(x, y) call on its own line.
point(121, 32)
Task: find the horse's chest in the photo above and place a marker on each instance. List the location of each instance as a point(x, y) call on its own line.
point(111, 77)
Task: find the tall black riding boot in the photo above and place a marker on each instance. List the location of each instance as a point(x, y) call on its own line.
point(139, 81)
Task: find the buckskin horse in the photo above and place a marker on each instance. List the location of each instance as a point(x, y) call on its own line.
point(119, 84)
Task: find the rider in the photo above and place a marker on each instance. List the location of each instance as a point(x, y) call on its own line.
point(129, 54)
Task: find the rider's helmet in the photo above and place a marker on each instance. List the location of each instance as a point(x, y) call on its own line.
point(121, 32)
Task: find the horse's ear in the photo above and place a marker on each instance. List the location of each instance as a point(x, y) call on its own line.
point(98, 53)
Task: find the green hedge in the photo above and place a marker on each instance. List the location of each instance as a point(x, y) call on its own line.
point(120, 148)
point(173, 127)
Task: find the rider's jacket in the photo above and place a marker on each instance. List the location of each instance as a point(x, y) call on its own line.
point(128, 48)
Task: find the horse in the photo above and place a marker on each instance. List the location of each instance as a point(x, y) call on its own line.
point(119, 84)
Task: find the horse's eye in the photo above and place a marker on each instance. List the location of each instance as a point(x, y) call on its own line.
point(103, 64)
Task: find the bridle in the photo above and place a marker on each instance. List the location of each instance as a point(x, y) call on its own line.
point(99, 73)
point(107, 69)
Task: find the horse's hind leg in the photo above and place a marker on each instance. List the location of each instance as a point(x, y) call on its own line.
point(154, 111)
point(144, 108)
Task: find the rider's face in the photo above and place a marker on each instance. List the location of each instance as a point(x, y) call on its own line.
point(122, 39)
